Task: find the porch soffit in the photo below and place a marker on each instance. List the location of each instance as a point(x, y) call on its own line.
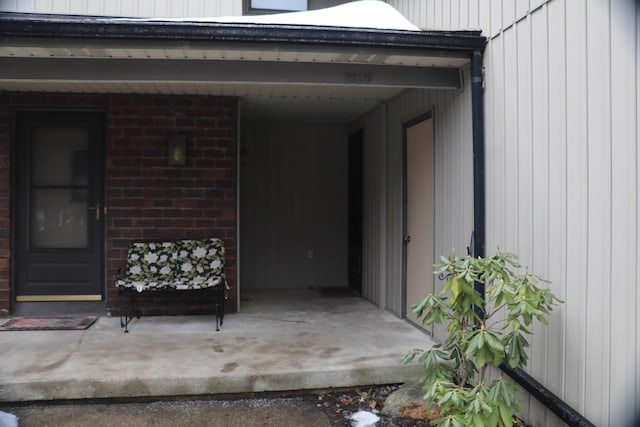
point(336, 74)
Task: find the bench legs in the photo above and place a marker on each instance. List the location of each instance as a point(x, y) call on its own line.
point(128, 308)
point(220, 306)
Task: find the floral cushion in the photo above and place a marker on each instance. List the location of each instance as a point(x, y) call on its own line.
point(186, 264)
point(149, 266)
point(199, 263)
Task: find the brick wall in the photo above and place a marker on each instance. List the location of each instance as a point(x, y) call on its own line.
point(146, 198)
point(5, 208)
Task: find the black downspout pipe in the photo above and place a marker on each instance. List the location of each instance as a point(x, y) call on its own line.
point(477, 114)
point(547, 398)
point(477, 249)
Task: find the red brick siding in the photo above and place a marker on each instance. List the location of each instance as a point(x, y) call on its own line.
point(146, 198)
point(5, 205)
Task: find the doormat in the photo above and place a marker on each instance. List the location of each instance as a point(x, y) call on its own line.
point(338, 292)
point(58, 323)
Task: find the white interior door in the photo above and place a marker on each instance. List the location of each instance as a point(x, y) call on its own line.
point(419, 237)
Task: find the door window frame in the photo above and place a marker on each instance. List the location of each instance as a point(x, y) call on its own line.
point(249, 9)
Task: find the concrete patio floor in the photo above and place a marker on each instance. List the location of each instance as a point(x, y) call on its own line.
point(282, 340)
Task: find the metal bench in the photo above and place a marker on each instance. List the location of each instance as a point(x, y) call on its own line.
point(183, 265)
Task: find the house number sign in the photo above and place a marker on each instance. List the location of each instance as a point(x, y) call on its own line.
point(357, 78)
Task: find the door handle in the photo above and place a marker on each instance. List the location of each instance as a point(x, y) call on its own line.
point(97, 209)
point(406, 238)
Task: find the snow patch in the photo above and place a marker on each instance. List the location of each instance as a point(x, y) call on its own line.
point(373, 14)
point(8, 420)
point(364, 419)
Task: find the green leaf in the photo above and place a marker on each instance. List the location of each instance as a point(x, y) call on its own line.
point(506, 415)
point(455, 288)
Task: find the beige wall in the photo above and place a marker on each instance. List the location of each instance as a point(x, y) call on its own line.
point(562, 180)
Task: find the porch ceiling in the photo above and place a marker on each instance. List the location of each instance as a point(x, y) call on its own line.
point(280, 72)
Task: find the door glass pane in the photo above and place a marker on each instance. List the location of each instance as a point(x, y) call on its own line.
point(59, 218)
point(59, 157)
point(59, 188)
point(279, 4)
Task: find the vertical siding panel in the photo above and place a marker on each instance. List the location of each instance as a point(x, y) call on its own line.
point(162, 8)
point(577, 175)
point(177, 9)
point(496, 204)
point(438, 14)
point(496, 15)
point(508, 13)
point(624, 210)
point(557, 195)
point(522, 8)
point(464, 14)
point(128, 8)
point(454, 14)
point(424, 14)
point(484, 17)
point(523, 136)
point(374, 154)
point(511, 142)
point(523, 159)
point(95, 7)
point(536, 3)
point(394, 219)
point(474, 14)
point(599, 208)
point(78, 8)
point(540, 180)
point(111, 8)
point(42, 6)
point(431, 13)
point(637, 135)
point(194, 8)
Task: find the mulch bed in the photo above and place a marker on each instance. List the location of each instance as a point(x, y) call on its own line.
point(340, 405)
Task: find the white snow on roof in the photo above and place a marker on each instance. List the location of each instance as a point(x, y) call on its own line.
point(359, 14)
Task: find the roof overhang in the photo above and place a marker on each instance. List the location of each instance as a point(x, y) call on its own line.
point(98, 54)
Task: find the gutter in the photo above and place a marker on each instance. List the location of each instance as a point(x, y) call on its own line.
point(88, 27)
point(477, 248)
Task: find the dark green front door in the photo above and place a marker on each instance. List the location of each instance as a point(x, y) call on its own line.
point(59, 207)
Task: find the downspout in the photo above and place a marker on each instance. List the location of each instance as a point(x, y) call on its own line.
point(477, 247)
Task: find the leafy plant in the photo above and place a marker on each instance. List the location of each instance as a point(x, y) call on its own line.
point(481, 333)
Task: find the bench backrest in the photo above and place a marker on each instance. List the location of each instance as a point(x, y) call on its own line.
point(183, 260)
point(151, 261)
point(199, 260)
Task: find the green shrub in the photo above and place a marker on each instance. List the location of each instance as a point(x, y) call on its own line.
point(481, 333)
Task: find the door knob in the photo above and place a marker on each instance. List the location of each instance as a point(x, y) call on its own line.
point(406, 239)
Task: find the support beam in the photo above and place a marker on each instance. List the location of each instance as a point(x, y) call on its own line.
point(178, 70)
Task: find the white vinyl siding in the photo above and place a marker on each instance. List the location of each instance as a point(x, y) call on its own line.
point(453, 183)
point(562, 177)
point(374, 263)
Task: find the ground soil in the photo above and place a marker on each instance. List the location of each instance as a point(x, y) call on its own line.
point(340, 405)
